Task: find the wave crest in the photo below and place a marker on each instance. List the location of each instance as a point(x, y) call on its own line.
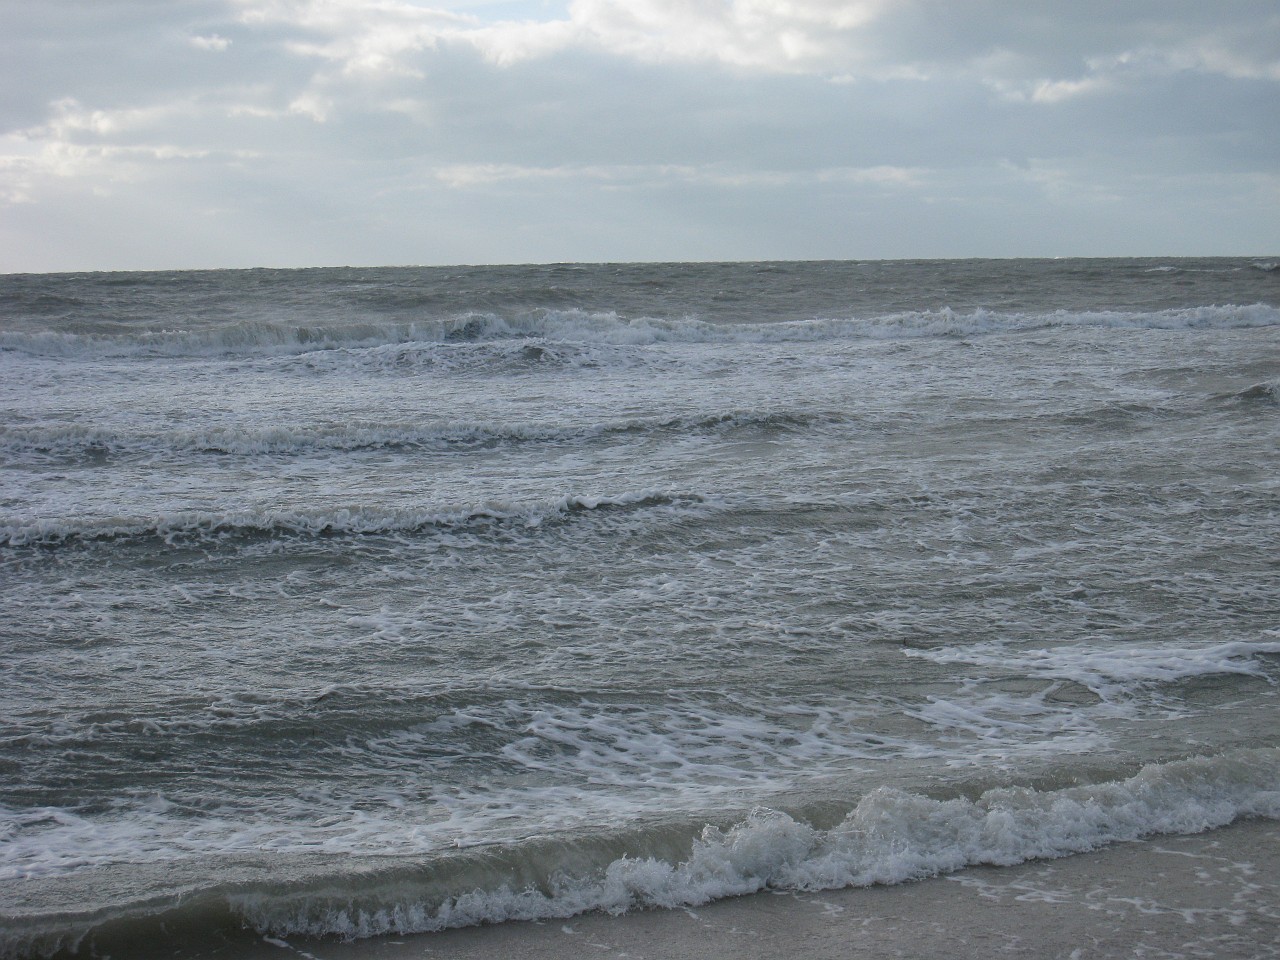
point(91, 442)
point(195, 526)
point(430, 341)
point(891, 836)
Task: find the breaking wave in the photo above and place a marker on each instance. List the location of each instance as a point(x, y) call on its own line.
point(540, 336)
point(889, 836)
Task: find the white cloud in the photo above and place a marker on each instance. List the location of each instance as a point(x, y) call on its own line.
point(382, 36)
point(26, 172)
point(1219, 55)
point(212, 42)
point(97, 148)
point(1013, 77)
point(843, 40)
point(509, 42)
point(468, 176)
point(775, 35)
point(311, 105)
point(18, 171)
point(1033, 53)
point(367, 37)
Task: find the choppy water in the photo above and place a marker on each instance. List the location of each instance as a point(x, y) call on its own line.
point(359, 601)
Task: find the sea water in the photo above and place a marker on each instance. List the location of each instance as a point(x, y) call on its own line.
point(342, 602)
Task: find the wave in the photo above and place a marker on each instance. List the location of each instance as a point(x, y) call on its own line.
point(541, 336)
point(519, 354)
point(96, 443)
point(545, 760)
point(889, 836)
point(1111, 668)
point(1265, 393)
point(197, 526)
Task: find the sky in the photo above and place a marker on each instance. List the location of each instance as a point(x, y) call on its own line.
point(166, 134)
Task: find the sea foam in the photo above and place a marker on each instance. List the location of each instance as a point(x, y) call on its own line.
point(890, 836)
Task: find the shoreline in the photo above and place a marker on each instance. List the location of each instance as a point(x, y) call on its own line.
point(1214, 894)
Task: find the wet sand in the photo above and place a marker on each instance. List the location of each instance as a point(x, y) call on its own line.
point(1213, 895)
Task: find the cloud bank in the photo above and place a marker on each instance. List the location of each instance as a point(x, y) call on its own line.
point(141, 133)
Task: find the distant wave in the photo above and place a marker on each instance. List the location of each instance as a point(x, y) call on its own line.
point(543, 336)
point(194, 526)
point(78, 441)
point(889, 836)
point(1265, 393)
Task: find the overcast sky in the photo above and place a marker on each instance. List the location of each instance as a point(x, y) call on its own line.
point(140, 134)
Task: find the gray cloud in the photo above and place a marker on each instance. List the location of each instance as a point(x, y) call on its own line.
point(235, 132)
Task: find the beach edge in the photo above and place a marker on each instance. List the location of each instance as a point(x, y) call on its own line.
point(1215, 894)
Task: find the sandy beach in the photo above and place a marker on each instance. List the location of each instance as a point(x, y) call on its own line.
point(1215, 894)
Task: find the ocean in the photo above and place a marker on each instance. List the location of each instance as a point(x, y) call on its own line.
point(338, 603)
